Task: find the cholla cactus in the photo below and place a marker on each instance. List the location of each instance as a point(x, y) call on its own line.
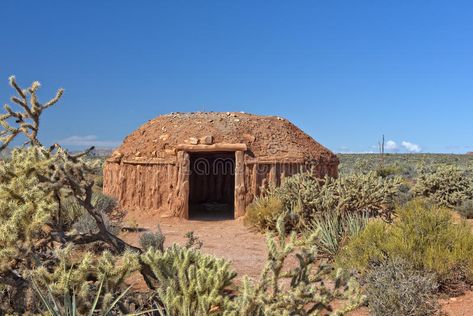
point(297, 291)
point(356, 193)
point(304, 197)
point(190, 283)
point(445, 185)
point(34, 184)
point(25, 207)
point(28, 118)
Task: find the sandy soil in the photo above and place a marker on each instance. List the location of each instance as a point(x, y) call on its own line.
point(228, 239)
point(246, 250)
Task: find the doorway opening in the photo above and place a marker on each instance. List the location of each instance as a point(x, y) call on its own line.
point(212, 185)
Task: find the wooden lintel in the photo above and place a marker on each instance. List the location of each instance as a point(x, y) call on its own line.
point(276, 161)
point(149, 162)
point(214, 147)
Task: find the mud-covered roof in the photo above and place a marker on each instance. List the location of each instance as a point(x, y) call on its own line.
point(265, 136)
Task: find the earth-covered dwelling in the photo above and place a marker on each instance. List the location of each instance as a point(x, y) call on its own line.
point(186, 164)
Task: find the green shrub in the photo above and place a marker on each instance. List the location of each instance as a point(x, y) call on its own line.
point(356, 193)
point(190, 282)
point(394, 288)
point(445, 185)
point(193, 241)
point(389, 170)
point(82, 221)
point(303, 197)
point(333, 230)
point(263, 213)
point(153, 240)
point(465, 209)
point(424, 235)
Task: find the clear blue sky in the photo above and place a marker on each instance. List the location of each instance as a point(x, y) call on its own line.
point(346, 72)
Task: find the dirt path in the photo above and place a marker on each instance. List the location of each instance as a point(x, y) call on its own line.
point(228, 239)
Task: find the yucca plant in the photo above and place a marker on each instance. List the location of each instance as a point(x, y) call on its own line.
point(68, 306)
point(333, 230)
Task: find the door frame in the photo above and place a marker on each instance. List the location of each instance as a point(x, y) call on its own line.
point(183, 171)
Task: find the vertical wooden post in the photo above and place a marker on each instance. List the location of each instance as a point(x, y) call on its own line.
point(273, 175)
point(240, 190)
point(181, 206)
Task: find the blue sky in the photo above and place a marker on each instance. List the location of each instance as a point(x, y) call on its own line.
point(346, 72)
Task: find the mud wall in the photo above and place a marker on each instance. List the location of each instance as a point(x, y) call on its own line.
point(141, 187)
point(156, 187)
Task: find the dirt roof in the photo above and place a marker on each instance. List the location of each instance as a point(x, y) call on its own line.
point(265, 136)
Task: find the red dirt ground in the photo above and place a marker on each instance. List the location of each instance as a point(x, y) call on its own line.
point(246, 250)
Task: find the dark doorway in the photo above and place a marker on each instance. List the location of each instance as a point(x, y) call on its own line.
point(212, 186)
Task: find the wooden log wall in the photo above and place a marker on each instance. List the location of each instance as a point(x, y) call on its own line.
point(163, 188)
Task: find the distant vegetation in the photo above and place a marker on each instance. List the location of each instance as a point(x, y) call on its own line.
point(405, 165)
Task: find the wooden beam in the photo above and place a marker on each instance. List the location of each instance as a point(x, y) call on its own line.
point(214, 147)
point(150, 162)
point(181, 203)
point(240, 189)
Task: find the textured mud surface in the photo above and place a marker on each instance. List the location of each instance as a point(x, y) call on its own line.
point(265, 135)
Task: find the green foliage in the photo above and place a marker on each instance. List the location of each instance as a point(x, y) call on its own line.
point(304, 197)
point(404, 165)
point(424, 235)
point(26, 205)
point(150, 240)
point(389, 170)
point(190, 282)
point(334, 230)
point(72, 275)
point(36, 224)
point(445, 185)
point(264, 212)
point(82, 221)
point(395, 288)
point(300, 290)
point(67, 306)
point(465, 209)
point(193, 241)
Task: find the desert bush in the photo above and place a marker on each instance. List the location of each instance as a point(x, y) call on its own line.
point(444, 185)
point(300, 290)
point(357, 193)
point(153, 240)
point(333, 230)
point(264, 212)
point(99, 181)
point(302, 197)
point(190, 282)
point(393, 287)
point(405, 163)
point(465, 209)
point(390, 170)
point(83, 222)
point(423, 235)
point(193, 241)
